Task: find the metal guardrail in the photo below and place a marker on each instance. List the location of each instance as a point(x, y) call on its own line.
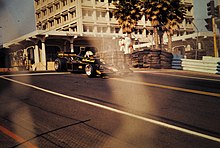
point(206, 65)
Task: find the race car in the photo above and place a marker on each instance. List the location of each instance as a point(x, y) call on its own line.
point(85, 62)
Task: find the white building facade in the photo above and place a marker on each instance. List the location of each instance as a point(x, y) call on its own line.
point(68, 25)
point(90, 17)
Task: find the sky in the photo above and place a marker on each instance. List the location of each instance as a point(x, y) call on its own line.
point(17, 17)
point(200, 13)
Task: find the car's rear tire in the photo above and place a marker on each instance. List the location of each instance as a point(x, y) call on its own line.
point(90, 70)
point(60, 65)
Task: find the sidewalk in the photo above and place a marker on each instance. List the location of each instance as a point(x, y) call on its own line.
point(8, 72)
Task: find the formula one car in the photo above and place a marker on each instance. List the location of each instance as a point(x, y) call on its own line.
point(85, 62)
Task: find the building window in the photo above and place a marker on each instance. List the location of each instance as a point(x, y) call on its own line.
point(87, 13)
point(73, 14)
point(38, 15)
point(101, 29)
point(104, 29)
point(44, 26)
point(37, 2)
point(39, 26)
point(45, 12)
point(58, 20)
point(111, 16)
point(103, 14)
point(57, 6)
point(50, 9)
point(117, 30)
point(114, 29)
point(52, 23)
point(64, 2)
point(87, 28)
point(65, 17)
point(74, 29)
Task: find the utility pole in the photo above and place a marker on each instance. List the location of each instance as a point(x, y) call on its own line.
point(214, 37)
point(211, 12)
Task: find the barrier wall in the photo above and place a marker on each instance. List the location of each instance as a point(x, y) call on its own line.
point(207, 64)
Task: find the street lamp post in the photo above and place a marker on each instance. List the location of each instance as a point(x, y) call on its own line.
point(1, 36)
point(197, 40)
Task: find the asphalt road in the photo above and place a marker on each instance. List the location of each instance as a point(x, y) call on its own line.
point(153, 109)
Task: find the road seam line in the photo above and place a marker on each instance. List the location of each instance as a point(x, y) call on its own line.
point(169, 87)
point(181, 76)
point(163, 124)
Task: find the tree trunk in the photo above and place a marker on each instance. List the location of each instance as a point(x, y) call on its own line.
point(156, 38)
point(169, 41)
point(161, 40)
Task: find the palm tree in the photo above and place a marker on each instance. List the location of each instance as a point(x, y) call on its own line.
point(175, 17)
point(164, 15)
point(151, 11)
point(127, 14)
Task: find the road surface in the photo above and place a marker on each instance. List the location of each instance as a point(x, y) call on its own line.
point(158, 109)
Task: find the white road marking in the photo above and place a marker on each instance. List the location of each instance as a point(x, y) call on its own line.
point(163, 124)
point(175, 75)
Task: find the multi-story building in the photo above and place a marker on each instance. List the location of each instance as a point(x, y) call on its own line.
point(91, 17)
point(67, 25)
point(82, 17)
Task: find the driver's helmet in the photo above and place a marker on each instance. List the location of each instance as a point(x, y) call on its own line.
point(89, 54)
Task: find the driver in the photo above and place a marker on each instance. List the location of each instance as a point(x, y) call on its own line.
point(89, 54)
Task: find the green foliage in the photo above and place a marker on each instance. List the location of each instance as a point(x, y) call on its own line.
point(165, 14)
point(127, 13)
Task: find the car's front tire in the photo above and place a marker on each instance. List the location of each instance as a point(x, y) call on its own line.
point(90, 70)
